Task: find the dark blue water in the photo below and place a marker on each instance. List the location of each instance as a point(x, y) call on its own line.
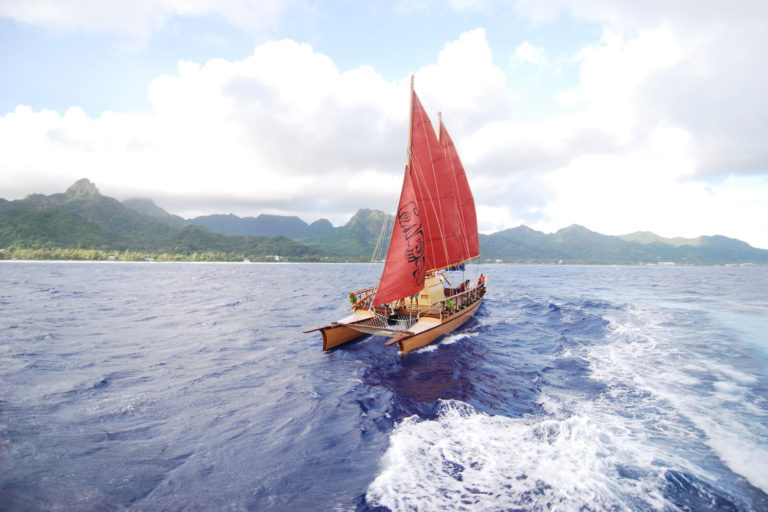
point(191, 387)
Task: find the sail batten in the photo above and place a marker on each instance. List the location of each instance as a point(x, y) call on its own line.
point(436, 223)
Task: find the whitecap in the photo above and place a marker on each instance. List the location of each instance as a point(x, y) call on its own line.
point(467, 459)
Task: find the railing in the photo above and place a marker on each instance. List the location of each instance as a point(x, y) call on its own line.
point(362, 299)
point(459, 301)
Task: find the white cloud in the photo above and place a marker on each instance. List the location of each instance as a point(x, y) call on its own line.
point(526, 52)
point(630, 16)
point(285, 131)
point(465, 83)
point(282, 129)
point(641, 139)
point(612, 73)
point(629, 191)
point(139, 18)
point(711, 86)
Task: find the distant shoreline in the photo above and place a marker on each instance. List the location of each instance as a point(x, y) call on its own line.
point(83, 225)
point(520, 263)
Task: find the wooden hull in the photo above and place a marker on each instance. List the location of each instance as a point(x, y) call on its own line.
point(337, 334)
point(427, 328)
point(431, 329)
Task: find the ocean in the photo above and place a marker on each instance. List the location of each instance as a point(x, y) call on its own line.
point(165, 386)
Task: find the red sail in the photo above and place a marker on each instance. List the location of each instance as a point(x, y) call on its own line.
point(404, 269)
point(465, 201)
point(430, 228)
point(436, 192)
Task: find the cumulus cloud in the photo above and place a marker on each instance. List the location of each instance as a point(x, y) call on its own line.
point(699, 71)
point(670, 119)
point(466, 79)
point(282, 130)
point(662, 130)
point(666, 115)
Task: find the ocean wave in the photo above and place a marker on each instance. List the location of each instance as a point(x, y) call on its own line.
point(705, 385)
point(466, 460)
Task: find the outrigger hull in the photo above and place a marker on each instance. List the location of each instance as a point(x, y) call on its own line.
point(338, 333)
point(335, 335)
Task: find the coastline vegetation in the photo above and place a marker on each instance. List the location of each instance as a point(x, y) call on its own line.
point(80, 254)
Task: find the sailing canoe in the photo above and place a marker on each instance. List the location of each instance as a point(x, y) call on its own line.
point(435, 229)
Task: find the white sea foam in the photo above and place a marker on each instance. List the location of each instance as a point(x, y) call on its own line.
point(691, 383)
point(453, 338)
point(670, 401)
point(469, 460)
point(429, 348)
point(448, 340)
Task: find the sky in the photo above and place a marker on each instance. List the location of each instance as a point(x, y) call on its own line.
point(617, 115)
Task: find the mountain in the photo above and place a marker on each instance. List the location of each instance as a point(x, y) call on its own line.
point(105, 220)
point(148, 207)
point(356, 239)
point(646, 237)
point(83, 219)
point(196, 239)
point(321, 227)
point(47, 227)
point(574, 244)
point(263, 225)
point(577, 244)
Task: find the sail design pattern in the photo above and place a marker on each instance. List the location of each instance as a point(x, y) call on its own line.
point(433, 224)
point(405, 266)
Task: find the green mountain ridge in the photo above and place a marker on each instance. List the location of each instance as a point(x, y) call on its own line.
point(577, 244)
point(646, 237)
point(101, 227)
point(148, 207)
point(83, 219)
point(263, 225)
